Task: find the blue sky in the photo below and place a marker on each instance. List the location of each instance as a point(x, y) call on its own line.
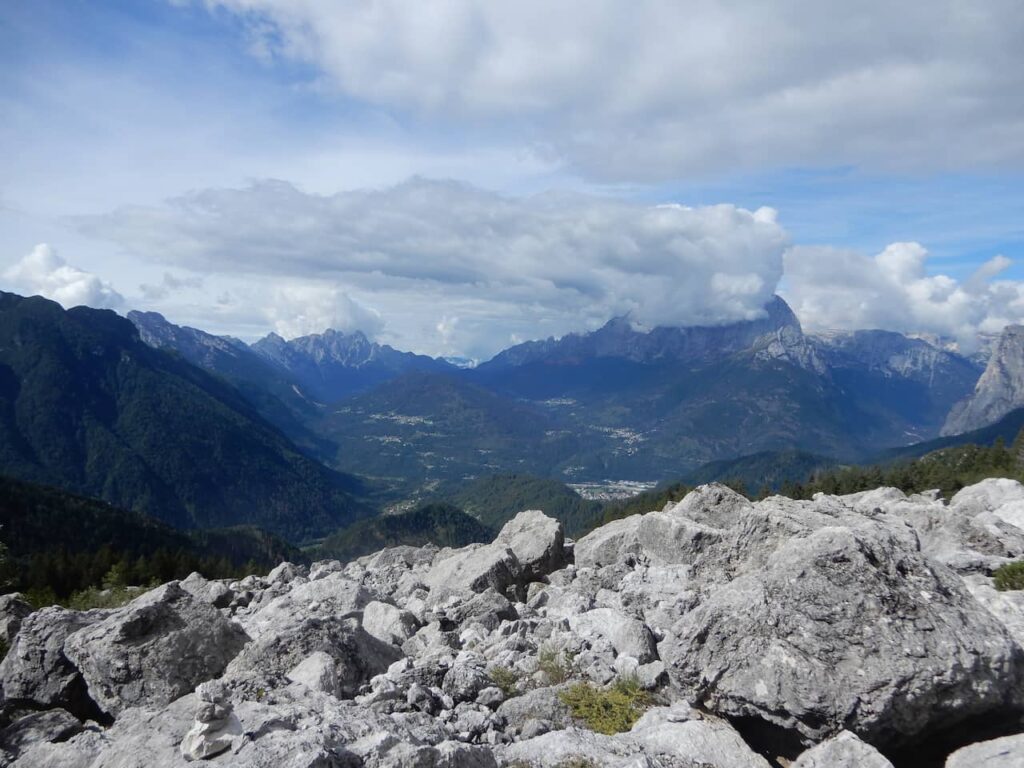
point(138, 139)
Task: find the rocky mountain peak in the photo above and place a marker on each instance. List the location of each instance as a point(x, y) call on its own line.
point(999, 390)
point(775, 335)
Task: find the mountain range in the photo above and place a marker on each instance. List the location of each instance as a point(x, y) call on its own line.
point(303, 437)
point(620, 402)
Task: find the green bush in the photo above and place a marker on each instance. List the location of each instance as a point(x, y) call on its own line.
point(506, 679)
point(88, 599)
point(1010, 576)
point(607, 710)
point(557, 666)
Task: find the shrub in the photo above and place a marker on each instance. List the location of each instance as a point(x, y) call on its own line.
point(88, 599)
point(607, 710)
point(506, 679)
point(1010, 576)
point(557, 666)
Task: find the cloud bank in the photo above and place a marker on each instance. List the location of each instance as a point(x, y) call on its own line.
point(656, 88)
point(833, 288)
point(449, 249)
point(447, 268)
point(42, 272)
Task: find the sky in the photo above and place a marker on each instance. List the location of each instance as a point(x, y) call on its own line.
point(457, 176)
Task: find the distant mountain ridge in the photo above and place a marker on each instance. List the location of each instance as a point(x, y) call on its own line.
point(332, 365)
point(617, 403)
point(619, 339)
point(87, 406)
point(271, 390)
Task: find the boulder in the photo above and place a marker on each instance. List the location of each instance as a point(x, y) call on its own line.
point(965, 539)
point(77, 752)
point(36, 671)
point(673, 538)
point(216, 593)
point(318, 672)
point(267, 662)
point(154, 650)
point(388, 623)
point(471, 569)
point(816, 619)
point(13, 610)
point(541, 704)
point(332, 596)
point(37, 728)
point(1008, 606)
point(998, 494)
point(674, 736)
point(844, 750)
point(465, 680)
point(680, 732)
point(286, 572)
point(611, 543)
point(627, 635)
point(537, 541)
point(1007, 752)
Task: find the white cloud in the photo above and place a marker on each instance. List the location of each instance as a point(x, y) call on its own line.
point(833, 288)
point(299, 309)
point(656, 88)
point(544, 263)
point(42, 272)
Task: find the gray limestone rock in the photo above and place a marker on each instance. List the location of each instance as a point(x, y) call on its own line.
point(36, 670)
point(844, 750)
point(609, 544)
point(267, 662)
point(154, 650)
point(627, 635)
point(54, 725)
point(1007, 752)
point(388, 623)
point(13, 610)
point(816, 620)
point(537, 541)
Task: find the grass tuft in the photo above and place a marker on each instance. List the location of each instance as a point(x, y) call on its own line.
point(607, 710)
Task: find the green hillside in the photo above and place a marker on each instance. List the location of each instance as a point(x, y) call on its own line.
point(497, 499)
point(440, 524)
point(63, 543)
point(85, 405)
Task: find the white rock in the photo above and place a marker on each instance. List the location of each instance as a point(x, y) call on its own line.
point(843, 750)
point(318, 672)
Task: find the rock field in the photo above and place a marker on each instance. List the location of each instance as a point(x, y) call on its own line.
point(857, 630)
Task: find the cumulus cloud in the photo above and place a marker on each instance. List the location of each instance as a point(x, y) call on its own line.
point(575, 257)
point(42, 272)
point(300, 309)
point(654, 88)
point(841, 289)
